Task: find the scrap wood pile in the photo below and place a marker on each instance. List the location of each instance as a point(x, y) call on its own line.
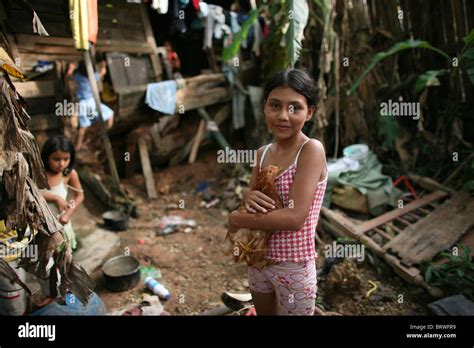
point(24, 209)
point(414, 236)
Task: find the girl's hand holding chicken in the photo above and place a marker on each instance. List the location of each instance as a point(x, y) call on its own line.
point(257, 202)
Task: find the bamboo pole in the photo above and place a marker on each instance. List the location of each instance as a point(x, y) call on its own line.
point(105, 138)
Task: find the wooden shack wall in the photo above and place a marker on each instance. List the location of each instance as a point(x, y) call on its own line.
point(123, 27)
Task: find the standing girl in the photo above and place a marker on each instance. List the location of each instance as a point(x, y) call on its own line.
point(288, 286)
point(58, 157)
point(87, 109)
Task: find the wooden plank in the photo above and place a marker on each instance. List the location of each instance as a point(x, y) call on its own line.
point(41, 106)
point(118, 33)
point(35, 89)
point(150, 39)
point(382, 233)
point(135, 49)
point(423, 210)
point(146, 167)
point(30, 40)
point(403, 221)
point(436, 232)
point(195, 94)
point(368, 225)
point(13, 50)
point(414, 216)
point(62, 45)
point(44, 122)
point(393, 227)
point(336, 231)
point(197, 141)
point(215, 133)
point(126, 71)
point(338, 219)
point(30, 59)
point(428, 183)
point(205, 98)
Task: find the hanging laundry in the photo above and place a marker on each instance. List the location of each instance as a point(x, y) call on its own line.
point(183, 4)
point(238, 98)
point(196, 4)
point(93, 15)
point(215, 25)
point(161, 6)
point(234, 22)
point(161, 96)
point(80, 24)
point(203, 9)
point(258, 37)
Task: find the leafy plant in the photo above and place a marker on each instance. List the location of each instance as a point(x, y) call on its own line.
point(469, 57)
point(298, 12)
point(427, 79)
point(388, 130)
point(232, 50)
point(289, 19)
point(398, 47)
point(455, 276)
point(282, 45)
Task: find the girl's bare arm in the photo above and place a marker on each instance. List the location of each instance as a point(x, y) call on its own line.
point(311, 164)
point(76, 187)
point(50, 197)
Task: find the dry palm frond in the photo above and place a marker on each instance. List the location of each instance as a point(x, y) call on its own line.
point(23, 207)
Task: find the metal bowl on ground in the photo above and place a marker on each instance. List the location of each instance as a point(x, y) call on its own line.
point(121, 273)
point(115, 220)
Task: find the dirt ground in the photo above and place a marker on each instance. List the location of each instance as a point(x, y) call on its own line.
point(195, 269)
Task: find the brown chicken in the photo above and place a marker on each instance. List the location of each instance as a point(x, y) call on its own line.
point(251, 245)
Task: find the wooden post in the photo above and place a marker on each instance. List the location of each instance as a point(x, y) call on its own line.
point(220, 139)
point(197, 141)
point(105, 138)
point(146, 167)
point(150, 39)
point(216, 133)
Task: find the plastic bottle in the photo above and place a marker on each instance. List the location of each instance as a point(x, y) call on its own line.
point(157, 288)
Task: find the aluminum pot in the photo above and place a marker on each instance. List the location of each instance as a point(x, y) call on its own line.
point(121, 273)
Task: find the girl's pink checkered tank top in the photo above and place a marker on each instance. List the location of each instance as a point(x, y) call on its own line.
point(295, 246)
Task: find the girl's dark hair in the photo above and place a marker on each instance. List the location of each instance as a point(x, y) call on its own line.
point(299, 80)
point(58, 143)
point(81, 68)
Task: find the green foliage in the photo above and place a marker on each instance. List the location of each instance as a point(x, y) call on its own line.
point(233, 49)
point(324, 6)
point(456, 276)
point(283, 44)
point(468, 58)
point(427, 79)
point(388, 130)
point(469, 39)
point(398, 47)
point(298, 12)
point(289, 19)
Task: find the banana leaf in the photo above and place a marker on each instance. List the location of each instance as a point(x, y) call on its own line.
point(232, 50)
point(398, 47)
point(298, 12)
point(469, 58)
point(427, 79)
